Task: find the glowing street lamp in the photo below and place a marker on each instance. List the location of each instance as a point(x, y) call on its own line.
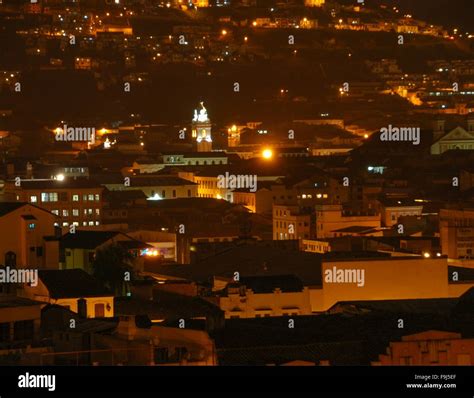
point(267, 154)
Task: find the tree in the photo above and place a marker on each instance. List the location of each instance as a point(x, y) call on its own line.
point(113, 267)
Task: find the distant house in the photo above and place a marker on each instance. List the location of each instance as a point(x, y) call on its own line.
point(432, 347)
point(77, 250)
point(74, 289)
point(20, 323)
point(265, 296)
point(27, 236)
point(393, 209)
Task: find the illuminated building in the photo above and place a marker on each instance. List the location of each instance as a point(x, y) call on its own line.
point(201, 129)
point(78, 202)
point(314, 3)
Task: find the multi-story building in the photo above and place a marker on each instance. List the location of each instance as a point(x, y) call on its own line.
point(330, 218)
point(77, 201)
point(456, 228)
point(292, 222)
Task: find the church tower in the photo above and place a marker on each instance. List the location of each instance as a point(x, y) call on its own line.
point(201, 129)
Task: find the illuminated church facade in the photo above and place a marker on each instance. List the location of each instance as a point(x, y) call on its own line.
point(201, 129)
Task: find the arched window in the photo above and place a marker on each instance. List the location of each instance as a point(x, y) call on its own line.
point(10, 259)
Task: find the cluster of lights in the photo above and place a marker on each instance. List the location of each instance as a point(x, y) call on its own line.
point(428, 255)
point(150, 253)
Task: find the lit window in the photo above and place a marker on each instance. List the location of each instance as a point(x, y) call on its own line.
point(55, 212)
point(91, 197)
point(49, 196)
point(65, 224)
point(31, 225)
point(91, 223)
point(65, 213)
point(33, 199)
point(75, 198)
point(97, 223)
point(75, 212)
point(97, 197)
point(84, 198)
point(97, 211)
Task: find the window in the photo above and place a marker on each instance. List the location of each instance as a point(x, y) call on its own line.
point(39, 251)
point(91, 223)
point(91, 197)
point(55, 212)
point(97, 197)
point(181, 353)
point(163, 194)
point(161, 355)
point(23, 330)
point(4, 331)
point(65, 224)
point(97, 211)
point(174, 193)
point(31, 225)
point(49, 196)
point(65, 213)
point(63, 197)
point(33, 199)
point(189, 193)
point(84, 198)
point(75, 198)
point(75, 212)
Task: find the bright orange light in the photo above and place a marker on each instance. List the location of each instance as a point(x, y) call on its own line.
point(366, 136)
point(254, 23)
point(224, 32)
point(267, 153)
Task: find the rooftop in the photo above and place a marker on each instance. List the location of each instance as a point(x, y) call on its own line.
point(71, 283)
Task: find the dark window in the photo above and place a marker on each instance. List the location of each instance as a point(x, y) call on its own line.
point(23, 330)
point(10, 259)
point(181, 353)
point(174, 193)
point(189, 193)
point(161, 355)
point(39, 251)
point(63, 196)
point(4, 331)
